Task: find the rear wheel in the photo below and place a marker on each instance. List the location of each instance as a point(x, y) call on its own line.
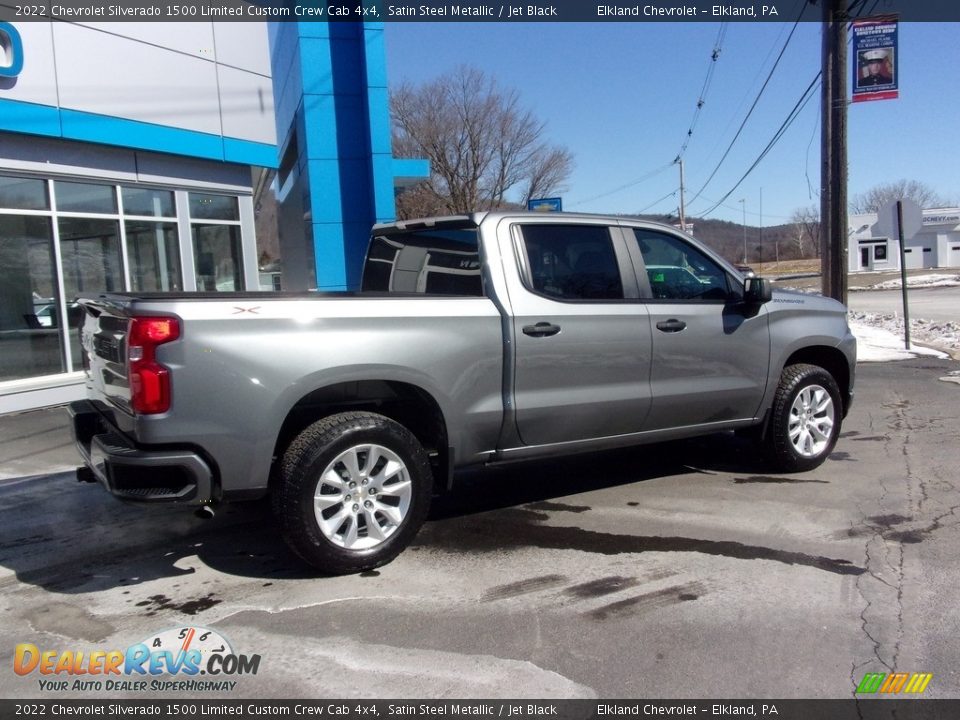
point(805, 419)
point(353, 490)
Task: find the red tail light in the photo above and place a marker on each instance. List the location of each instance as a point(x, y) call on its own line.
point(149, 380)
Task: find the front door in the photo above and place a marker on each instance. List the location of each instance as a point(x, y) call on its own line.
point(710, 353)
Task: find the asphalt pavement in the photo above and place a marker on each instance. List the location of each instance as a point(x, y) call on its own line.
point(676, 570)
point(937, 304)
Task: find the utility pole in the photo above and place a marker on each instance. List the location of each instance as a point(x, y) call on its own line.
point(761, 227)
point(743, 206)
point(683, 214)
point(833, 151)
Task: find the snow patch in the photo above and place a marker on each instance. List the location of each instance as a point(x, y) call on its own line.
point(880, 337)
point(918, 281)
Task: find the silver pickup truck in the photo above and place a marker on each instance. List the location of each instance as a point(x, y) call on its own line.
point(474, 340)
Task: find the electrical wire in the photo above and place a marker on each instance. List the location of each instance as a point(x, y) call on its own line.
point(657, 202)
point(648, 176)
point(752, 107)
point(702, 99)
point(793, 114)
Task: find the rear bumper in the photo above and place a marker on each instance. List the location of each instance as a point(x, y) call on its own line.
point(132, 473)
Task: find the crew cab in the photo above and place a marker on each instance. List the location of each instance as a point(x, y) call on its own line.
point(474, 340)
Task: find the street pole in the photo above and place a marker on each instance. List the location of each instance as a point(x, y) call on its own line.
point(903, 276)
point(761, 228)
point(833, 150)
point(743, 206)
point(683, 215)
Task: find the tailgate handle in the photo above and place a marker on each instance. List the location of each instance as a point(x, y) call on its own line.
point(671, 326)
point(541, 329)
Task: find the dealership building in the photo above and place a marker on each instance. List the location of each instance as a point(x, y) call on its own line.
point(140, 157)
point(935, 245)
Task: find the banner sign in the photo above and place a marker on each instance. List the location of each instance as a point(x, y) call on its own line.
point(875, 75)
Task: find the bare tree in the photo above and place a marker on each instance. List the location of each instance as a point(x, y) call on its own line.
point(482, 145)
point(806, 220)
point(878, 196)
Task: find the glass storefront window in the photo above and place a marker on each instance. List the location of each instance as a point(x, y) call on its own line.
point(90, 249)
point(23, 193)
point(85, 197)
point(109, 238)
point(149, 202)
point(213, 207)
point(29, 304)
point(153, 256)
point(218, 257)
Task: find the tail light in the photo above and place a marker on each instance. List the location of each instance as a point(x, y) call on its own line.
point(149, 380)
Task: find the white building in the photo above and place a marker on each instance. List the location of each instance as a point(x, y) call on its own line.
point(936, 245)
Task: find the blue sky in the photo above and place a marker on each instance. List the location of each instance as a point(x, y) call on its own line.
point(621, 97)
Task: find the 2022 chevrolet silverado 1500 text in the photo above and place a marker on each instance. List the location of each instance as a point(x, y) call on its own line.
point(475, 340)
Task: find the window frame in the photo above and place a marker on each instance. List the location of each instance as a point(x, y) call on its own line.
point(734, 284)
point(628, 279)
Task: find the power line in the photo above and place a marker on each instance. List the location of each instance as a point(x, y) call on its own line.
point(702, 99)
point(660, 200)
point(648, 176)
point(752, 107)
point(793, 114)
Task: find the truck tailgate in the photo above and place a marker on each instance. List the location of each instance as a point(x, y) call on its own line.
point(103, 337)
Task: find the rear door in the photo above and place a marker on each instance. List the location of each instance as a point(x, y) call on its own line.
point(710, 352)
point(582, 336)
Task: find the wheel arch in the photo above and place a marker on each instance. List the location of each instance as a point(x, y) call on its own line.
point(405, 403)
point(830, 359)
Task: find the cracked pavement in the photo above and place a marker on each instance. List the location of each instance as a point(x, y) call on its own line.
point(675, 570)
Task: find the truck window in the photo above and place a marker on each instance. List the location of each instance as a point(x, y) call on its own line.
point(572, 262)
point(443, 261)
point(679, 271)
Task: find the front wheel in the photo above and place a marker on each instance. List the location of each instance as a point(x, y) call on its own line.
point(805, 419)
point(353, 490)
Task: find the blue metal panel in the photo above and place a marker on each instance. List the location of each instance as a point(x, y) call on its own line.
point(328, 243)
point(33, 119)
point(24, 117)
point(143, 136)
point(247, 152)
point(411, 168)
point(340, 118)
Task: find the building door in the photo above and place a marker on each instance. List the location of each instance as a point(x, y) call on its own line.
point(865, 258)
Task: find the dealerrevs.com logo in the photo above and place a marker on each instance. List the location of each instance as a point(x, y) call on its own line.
point(894, 683)
point(190, 659)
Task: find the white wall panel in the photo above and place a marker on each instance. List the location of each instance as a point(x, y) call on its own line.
point(192, 38)
point(243, 45)
point(247, 103)
point(110, 75)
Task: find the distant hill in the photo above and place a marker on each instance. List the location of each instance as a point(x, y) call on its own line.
point(726, 238)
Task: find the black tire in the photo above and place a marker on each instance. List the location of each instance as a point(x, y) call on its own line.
point(800, 439)
point(380, 512)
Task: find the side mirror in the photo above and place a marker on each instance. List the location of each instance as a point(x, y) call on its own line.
point(757, 290)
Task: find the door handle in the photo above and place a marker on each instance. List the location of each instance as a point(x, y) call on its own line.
point(541, 329)
point(671, 326)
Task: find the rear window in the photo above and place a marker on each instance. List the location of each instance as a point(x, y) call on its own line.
point(437, 261)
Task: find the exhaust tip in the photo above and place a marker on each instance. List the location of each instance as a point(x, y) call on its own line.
point(205, 513)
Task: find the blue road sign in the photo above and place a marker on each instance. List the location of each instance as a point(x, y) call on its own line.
point(545, 205)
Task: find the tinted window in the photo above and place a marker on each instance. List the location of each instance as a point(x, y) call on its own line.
point(679, 271)
point(572, 262)
point(85, 197)
point(23, 193)
point(213, 207)
point(443, 261)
